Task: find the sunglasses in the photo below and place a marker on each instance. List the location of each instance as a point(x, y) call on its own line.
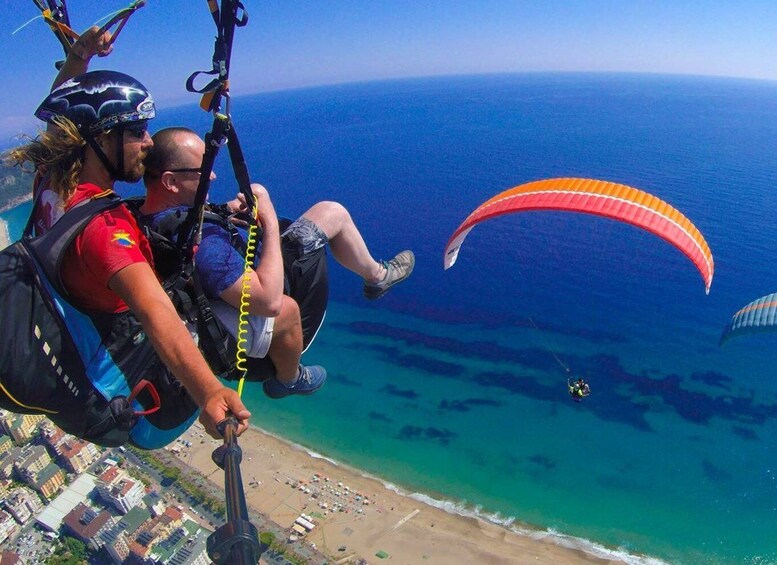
point(137, 130)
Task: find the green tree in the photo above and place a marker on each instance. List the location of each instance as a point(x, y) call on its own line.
point(70, 552)
point(75, 547)
point(172, 474)
point(267, 538)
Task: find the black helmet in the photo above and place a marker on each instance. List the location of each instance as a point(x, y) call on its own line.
point(98, 101)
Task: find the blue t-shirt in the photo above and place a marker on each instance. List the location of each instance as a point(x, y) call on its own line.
point(218, 264)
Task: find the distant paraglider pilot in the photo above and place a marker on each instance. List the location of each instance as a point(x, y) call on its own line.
point(578, 389)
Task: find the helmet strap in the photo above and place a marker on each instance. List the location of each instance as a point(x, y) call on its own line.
point(113, 171)
point(120, 156)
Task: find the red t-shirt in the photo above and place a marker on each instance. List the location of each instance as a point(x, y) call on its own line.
point(110, 242)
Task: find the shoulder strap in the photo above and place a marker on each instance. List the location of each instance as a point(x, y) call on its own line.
point(183, 284)
point(168, 227)
point(49, 248)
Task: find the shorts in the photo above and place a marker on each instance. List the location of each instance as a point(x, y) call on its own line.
point(305, 235)
point(259, 329)
point(303, 244)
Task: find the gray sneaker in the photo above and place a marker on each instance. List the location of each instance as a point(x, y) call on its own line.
point(309, 380)
point(397, 270)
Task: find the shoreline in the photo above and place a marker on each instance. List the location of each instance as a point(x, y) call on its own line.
point(368, 515)
point(14, 202)
point(5, 236)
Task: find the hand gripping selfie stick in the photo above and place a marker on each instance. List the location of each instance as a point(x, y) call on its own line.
point(237, 541)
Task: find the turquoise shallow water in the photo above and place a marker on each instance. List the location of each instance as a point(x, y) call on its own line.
point(16, 218)
point(532, 456)
point(453, 385)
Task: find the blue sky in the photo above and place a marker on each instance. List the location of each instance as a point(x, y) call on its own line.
point(289, 44)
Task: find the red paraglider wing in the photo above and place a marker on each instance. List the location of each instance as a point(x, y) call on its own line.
point(601, 198)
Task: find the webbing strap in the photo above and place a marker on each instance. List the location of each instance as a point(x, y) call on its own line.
point(149, 386)
point(222, 133)
point(55, 14)
point(214, 342)
point(50, 247)
point(190, 232)
point(231, 14)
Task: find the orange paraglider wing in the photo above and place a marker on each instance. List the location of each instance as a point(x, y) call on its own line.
point(600, 198)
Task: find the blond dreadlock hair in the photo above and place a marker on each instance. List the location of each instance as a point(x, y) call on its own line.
point(57, 153)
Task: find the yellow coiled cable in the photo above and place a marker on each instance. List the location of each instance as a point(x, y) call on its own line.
point(245, 295)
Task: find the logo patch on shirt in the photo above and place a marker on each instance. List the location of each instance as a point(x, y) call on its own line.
point(123, 238)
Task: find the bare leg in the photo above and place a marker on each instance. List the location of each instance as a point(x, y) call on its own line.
point(286, 346)
point(345, 241)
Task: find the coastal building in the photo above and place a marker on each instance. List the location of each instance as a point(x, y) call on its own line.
point(116, 539)
point(154, 531)
point(51, 434)
point(8, 526)
point(77, 492)
point(7, 460)
point(86, 524)
point(22, 504)
point(120, 490)
point(154, 503)
point(117, 548)
point(6, 443)
point(304, 521)
point(9, 557)
point(186, 545)
point(194, 552)
point(133, 520)
point(49, 481)
point(77, 455)
point(31, 461)
point(139, 549)
point(163, 525)
point(21, 427)
point(107, 477)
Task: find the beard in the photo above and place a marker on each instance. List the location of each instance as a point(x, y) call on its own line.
point(134, 169)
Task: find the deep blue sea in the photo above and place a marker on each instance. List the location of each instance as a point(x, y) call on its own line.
point(454, 385)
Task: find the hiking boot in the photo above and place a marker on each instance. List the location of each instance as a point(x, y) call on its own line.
point(397, 270)
point(309, 380)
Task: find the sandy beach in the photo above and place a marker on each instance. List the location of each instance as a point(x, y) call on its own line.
point(5, 238)
point(357, 517)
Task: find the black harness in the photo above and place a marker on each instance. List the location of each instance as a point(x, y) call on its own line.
point(305, 280)
point(180, 281)
point(95, 374)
